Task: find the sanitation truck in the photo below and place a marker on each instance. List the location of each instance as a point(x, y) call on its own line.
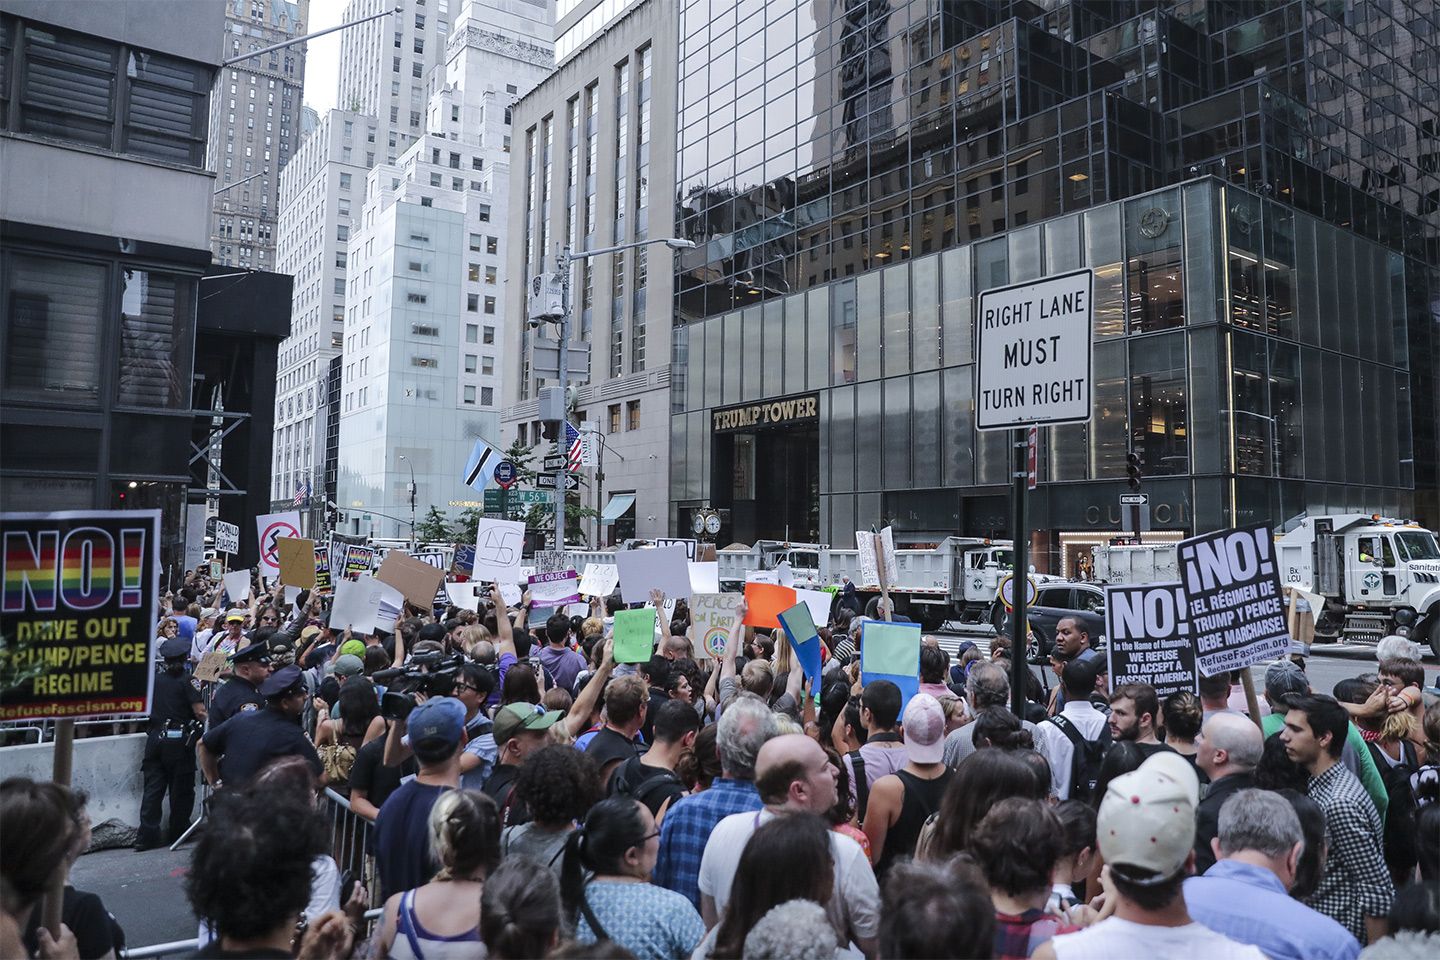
point(1377, 575)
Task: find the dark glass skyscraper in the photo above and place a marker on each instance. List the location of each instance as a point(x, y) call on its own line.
point(1254, 184)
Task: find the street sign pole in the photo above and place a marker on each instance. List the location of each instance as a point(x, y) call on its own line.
point(564, 346)
point(1019, 646)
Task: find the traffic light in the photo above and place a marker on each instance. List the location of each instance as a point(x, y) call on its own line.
point(549, 429)
point(1132, 470)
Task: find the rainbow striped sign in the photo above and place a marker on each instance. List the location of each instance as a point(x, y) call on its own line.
point(78, 599)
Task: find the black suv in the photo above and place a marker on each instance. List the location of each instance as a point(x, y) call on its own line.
point(1056, 601)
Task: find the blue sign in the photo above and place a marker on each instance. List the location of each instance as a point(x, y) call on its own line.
point(505, 474)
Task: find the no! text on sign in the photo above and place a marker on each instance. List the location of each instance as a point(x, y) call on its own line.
point(1033, 346)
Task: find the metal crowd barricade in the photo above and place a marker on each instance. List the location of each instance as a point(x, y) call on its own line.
point(193, 944)
point(351, 840)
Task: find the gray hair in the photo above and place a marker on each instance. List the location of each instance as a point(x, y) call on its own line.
point(744, 727)
point(1239, 738)
point(1392, 646)
point(987, 685)
point(795, 930)
point(1404, 945)
point(1259, 820)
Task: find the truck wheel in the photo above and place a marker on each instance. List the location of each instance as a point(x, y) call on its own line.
point(1435, 639)
point(997, 617)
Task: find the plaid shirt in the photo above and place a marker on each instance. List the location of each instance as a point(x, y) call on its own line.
point(1016, 937)
point(1356, 883)
point(687, 828)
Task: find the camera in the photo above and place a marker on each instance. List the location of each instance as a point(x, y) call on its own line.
point(432, 674)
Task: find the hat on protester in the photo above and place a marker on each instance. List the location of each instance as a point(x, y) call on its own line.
point(283, 683)
point(347, 665)
point(924, 723)
point(1177, 768)
point(235, 615)
point(435, 728)
point(1285, 679)
point(258, 652)
point(175, 648)
point(511, 719)
point(309, 633)
point(208, 613)
point(354, 648)
point(282, 654)
point(1146, 822)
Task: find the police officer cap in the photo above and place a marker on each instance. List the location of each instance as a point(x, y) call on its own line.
point(175, 648)
point(282, 682)
point(255, 653)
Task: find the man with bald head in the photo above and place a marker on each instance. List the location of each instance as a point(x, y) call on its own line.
point(795, 777)
point(1228, 749)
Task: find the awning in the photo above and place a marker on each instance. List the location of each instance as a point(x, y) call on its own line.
point(618, 505)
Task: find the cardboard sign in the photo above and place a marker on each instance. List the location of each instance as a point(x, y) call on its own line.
point(600, 579)
point(634, 635)
point(554, 589)
point(652, 568)
point(227, 537)
point(1233, 599)
point(891, 651)
point(209, 667)
point(712, 616)
point(322, 571)
point(805, 640)
point(357, 605)
point(1147, 637)
point(297, 562)
point(416, 580)
point(79, 593)
point(499, 545)
point(237, 586)
point(765, 602)
point(271, 527)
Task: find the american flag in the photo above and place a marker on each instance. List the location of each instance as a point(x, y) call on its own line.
point(573, 447)
point(302, 493)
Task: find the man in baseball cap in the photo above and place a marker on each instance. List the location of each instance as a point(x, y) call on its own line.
point(900, 802)
point(402, 840)
point(520, 729)
point(1146, 832)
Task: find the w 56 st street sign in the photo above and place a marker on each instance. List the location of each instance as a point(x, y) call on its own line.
point(1033, 344)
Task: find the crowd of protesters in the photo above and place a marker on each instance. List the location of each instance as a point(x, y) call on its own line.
point(530, 797)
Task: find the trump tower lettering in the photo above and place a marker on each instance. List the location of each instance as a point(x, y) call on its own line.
point(78, 611)
point(1148, 638)
point(1232, 595)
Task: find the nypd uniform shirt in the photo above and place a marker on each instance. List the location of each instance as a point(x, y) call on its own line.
point(236, 695)
point(173, 699)
point(250, 741)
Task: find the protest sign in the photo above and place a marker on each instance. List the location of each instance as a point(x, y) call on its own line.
point(464, 562)
point(551, 561)
point(554, 589)
point(689, 544)
point(292, 594)
point(416, 580)
point(1147, 637)
point(358, 560)
point(463, 595)
point(891, 651)
point(600, 579)
point(1233, 599)
point(297, 562)
point(652, 568)
point(194, 536)
point(357, 604)
point(511, 593)
point(804, 639)
point(80, 598)
point(634, 635)
point(704, 577)
point(209, 667)
point(498, 547)
point(870, 564)
point(436, 558)
point(765, 601)
point(322, 571)
point(271, 527)
point(217, 569)
point(712, 616)
point(227, 537)
point(237, 586)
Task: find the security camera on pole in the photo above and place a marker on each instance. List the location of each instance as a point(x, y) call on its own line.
point(1034, 368)
point(550, 303)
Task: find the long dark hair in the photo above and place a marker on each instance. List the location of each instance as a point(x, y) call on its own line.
point(612, 827)
point(519, 909)
point(358, 705)
point(800, 841)
point(982, 780)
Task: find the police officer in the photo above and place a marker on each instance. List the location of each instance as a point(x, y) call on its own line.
point(236, 750)
point(241, 693)
point(176, 718)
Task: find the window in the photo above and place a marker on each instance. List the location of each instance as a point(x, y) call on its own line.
point(55, 306)
point(419, 44)
point(349, 124)
point(508, 115)
point(506, 145)
point(475, 242)
point(472, 302)
point(470, 362)
point(472, 332)
point(424, 330)
point(416, 70)
point(474, 274)
point(490, 275)
point(436, 180)
point(340, 287)
point(340, 258)
point(342, 233)
point(489, 308)
point(455, 161)
point(477, 163)
point(469, 394)
point(413, 297)
point(492, 245)
point(632, 412)
point(484, 213)
point(457, 184)
point(424, 362)
point(614, 412)
point(344, 181)
point(487, 396)
point(489, 335)
point(487, 366)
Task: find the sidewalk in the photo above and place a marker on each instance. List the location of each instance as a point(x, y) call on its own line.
point(145, 891)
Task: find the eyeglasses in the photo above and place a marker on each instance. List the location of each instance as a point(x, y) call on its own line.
point(263, 619)
point(647, 838)
point(466, 686)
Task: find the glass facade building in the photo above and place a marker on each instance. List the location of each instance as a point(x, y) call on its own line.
point(1262, 231)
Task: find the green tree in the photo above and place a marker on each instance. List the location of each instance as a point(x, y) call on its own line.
point(466, 526)
point(433, 527)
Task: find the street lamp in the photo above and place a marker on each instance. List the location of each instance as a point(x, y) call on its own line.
point(563, 322)
point(409, 463)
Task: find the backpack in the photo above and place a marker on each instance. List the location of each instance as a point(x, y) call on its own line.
point(644, 790)
point(1398, 835)
point(1085, 759)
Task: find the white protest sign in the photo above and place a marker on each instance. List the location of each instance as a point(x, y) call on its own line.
point(552, 561)
point(510, 593)
point(237, 586)
point(292, 593)
point(463, 595)
point(358, 605)
point(498, 547)
point(712, 615)
point(194, 536)
point(869, 563)
point(1147, 637)
point(689, 544)
point(887, 550)
point(817, 602)
point(227, 537)
point(761, 576)
point(652, 568)
point(784, 575)
point(600, 580)
point(1033, 352)
point(271, 527)
point(704, 577)
point(1233, 599)
point(554, 589)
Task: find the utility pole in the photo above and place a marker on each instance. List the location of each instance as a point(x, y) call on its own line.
point(411, 465)
point(563, 265)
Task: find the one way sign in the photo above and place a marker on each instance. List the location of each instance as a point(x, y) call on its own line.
point(572, 482)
